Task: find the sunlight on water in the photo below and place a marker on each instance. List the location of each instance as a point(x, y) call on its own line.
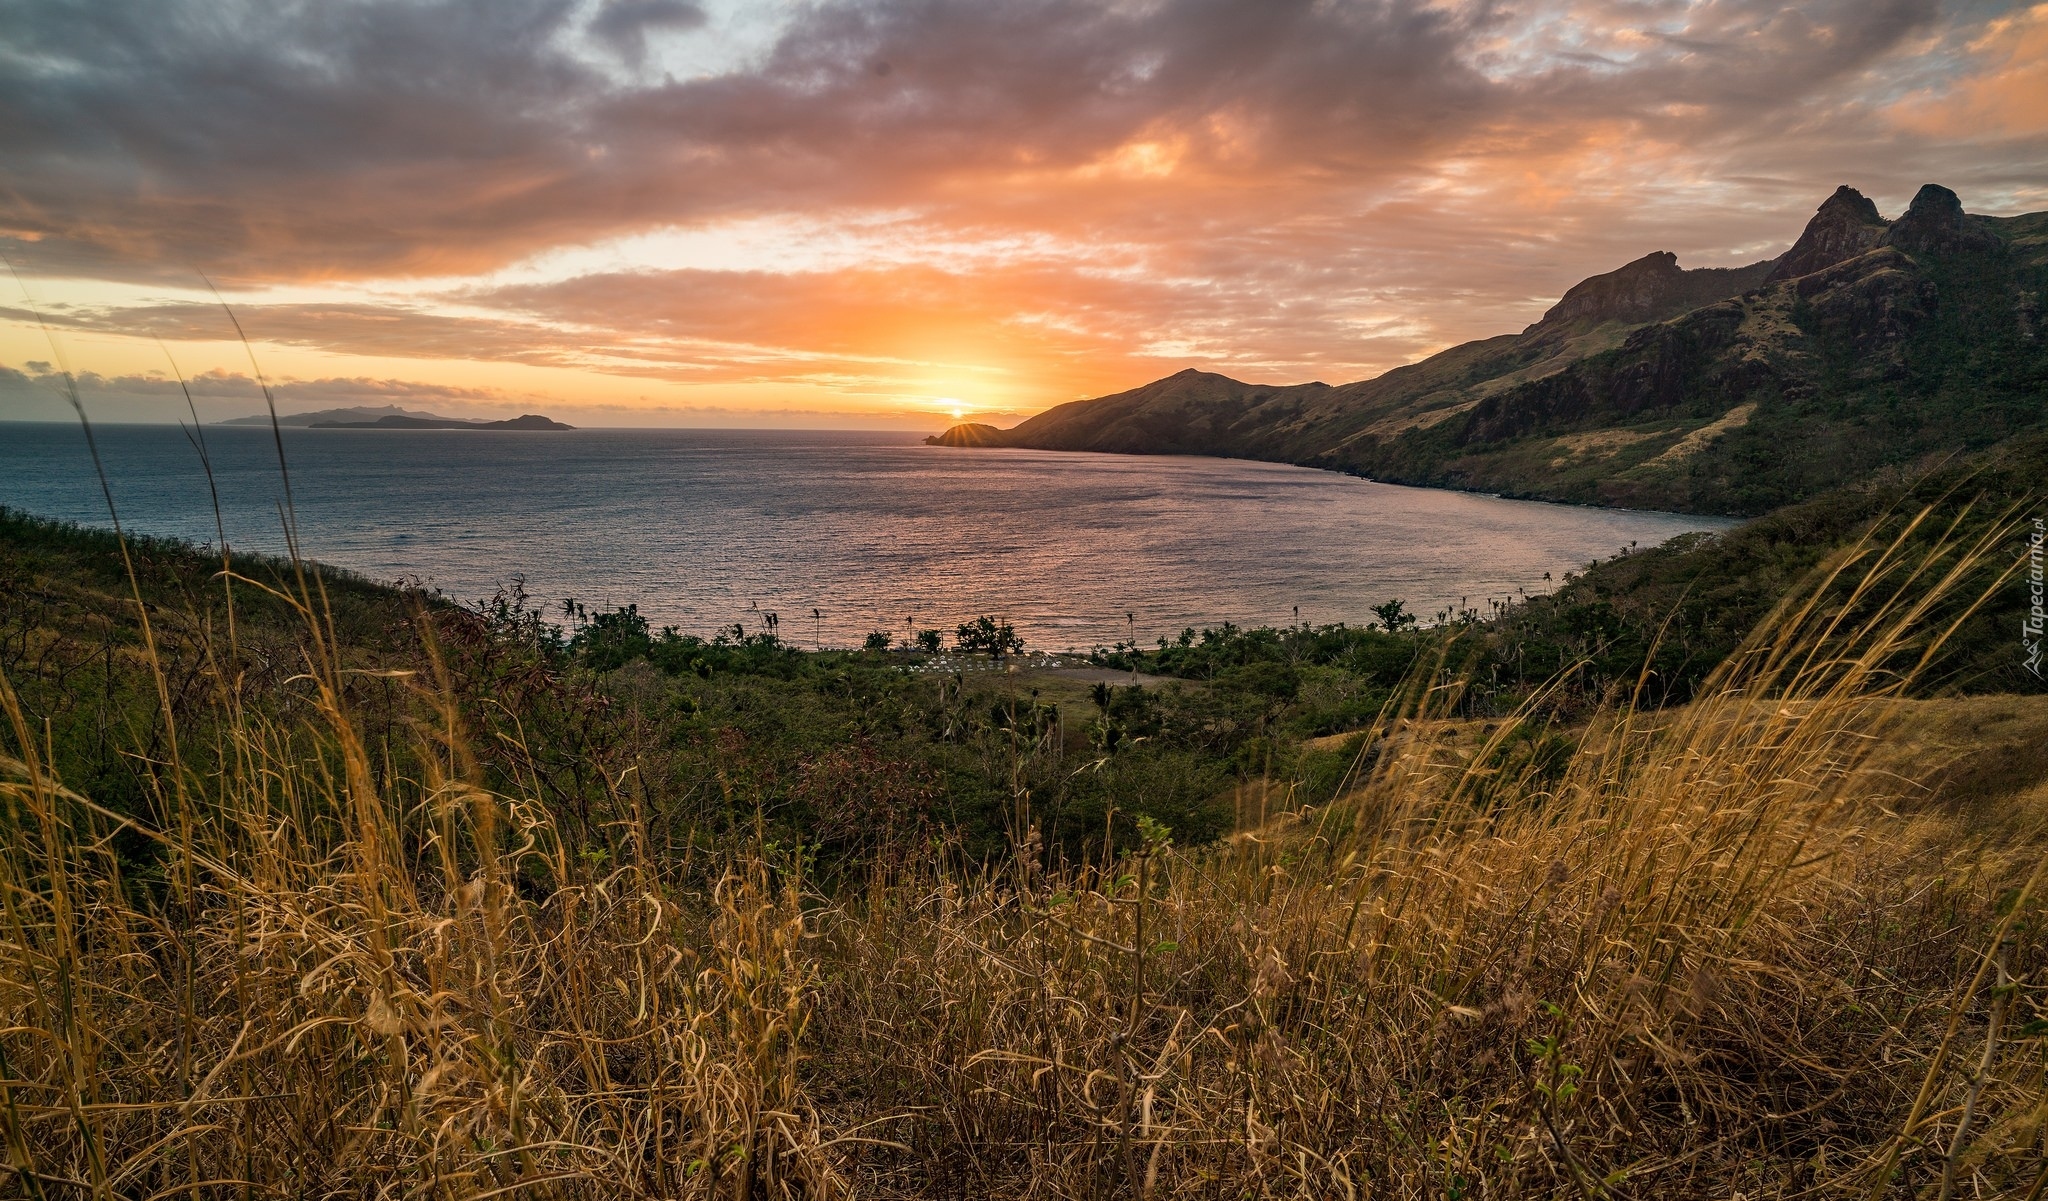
point(704, 528)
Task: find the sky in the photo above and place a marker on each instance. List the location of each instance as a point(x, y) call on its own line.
point(902, 213)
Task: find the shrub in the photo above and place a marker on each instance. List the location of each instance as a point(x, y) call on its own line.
point(611, 640)
point(985, 635)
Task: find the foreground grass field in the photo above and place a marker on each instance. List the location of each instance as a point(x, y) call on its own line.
point(1785, 941)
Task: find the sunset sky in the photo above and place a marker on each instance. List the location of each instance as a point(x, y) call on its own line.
point(841, 214)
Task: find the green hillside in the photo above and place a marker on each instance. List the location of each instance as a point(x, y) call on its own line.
point(1868, 344)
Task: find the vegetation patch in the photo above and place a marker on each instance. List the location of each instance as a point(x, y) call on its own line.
point(363, 892)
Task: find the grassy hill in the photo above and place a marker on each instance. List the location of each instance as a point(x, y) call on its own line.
point(375, 894)
point(1868, 344)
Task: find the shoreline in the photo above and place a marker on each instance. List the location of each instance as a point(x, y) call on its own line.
point(1731, 518)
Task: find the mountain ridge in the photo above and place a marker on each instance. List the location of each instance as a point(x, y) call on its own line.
point(1868, 343)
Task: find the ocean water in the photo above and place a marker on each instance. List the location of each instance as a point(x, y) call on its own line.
point(705, 528)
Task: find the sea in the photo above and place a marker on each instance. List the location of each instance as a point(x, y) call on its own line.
point(839, 534)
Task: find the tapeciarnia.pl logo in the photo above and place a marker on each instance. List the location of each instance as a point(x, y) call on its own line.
point(2037, 615)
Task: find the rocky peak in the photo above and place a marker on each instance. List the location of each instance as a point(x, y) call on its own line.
point(1936, 223)
point(1846, 224)
point(1633, 292)
point(1653, 288)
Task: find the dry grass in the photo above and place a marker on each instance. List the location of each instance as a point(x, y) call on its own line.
point(1709, 959)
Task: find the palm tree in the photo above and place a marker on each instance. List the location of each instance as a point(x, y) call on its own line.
point(817, 630)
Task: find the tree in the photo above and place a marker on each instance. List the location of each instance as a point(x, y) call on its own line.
point(929, 641)
point(988, 636)
point(1393, 616)
point(877, 641)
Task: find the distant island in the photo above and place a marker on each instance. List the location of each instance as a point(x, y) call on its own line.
point(391, 417)
point(529, 421)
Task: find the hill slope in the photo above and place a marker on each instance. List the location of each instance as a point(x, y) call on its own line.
point(1868, 343)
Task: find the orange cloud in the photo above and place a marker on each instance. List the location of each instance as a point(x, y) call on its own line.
point(2007, 93)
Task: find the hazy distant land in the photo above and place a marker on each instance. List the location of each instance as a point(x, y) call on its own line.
point(392, 417)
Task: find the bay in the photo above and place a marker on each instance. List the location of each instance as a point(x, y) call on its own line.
point(875, 531)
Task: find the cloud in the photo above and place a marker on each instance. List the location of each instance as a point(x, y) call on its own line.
point(383, 329)
point(2005, 92)
point(293, 395)
point(40, 393)
point(1279, 188)
point(623, 25)
point(378, 137)
point(1033, 330)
